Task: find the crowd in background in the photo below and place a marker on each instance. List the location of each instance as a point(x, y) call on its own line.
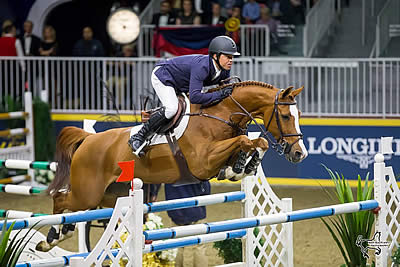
point(172, 12)
point(213, 12)
point(28, 44)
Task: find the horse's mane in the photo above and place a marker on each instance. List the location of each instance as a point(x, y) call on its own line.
point(243, 84)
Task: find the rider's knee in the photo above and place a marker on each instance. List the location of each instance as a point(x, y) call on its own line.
point(170, 111)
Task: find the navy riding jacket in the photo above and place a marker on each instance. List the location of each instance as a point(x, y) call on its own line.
point(189, 74)
point(188, 215)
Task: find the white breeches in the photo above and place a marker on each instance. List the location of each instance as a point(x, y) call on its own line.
point(166, 94)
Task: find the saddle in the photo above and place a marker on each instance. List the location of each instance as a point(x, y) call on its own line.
point(174, 122)
point(186, 176)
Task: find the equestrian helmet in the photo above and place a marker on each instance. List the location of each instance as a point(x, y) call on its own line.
point(223, 45)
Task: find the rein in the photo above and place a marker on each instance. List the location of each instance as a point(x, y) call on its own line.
point(280, 145)
point(230, 123)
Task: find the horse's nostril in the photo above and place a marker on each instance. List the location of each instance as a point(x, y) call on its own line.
point(298, 154)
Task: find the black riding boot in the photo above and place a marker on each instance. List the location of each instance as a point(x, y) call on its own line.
point(156, 121)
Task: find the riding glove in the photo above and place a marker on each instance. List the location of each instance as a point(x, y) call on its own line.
point(225, 92)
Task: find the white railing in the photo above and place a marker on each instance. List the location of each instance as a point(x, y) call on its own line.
point(389, 15)
point(338, 87)
point(254, 39)
point(333, 87)
point(318, 22)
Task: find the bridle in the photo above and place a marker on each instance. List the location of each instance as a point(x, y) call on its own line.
point(281, 145)
point(284, 146)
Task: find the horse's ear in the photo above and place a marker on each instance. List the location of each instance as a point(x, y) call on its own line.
point(297, 91)
point(287, 91)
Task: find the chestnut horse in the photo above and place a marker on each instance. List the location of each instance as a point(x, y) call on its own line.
point(87, 163)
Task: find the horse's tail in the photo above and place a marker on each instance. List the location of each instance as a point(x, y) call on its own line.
point(68, 142)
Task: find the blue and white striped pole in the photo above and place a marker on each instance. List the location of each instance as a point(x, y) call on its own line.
point(235, 224)
point(83, 216)
point(193, 240)
point(193, 202)
point(58, 261)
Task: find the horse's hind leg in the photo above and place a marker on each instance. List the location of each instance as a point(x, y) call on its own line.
point(55, 235)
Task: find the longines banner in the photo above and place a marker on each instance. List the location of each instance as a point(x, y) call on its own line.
point(349, 150)
point(347, 146)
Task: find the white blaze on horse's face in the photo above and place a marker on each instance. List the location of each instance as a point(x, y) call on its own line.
point(295, 113)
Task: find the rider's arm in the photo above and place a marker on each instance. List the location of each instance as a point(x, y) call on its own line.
point(197, 76)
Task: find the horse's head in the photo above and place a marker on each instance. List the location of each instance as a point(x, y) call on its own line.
point(283, 123)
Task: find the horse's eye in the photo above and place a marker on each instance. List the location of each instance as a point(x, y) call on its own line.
point(286, 117)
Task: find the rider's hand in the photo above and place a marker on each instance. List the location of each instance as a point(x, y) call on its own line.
point(225, 92)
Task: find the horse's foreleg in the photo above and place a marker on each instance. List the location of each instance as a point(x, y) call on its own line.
point(239, 170)
point(220, 152)
point(261, 147)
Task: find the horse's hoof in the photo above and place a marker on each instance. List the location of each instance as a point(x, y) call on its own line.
point(221, 174)
point(43, 246)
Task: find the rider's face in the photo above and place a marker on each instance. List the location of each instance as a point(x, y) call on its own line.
point(226, 61)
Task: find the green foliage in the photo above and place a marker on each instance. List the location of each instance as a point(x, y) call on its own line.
point(231, 249)
point(346, 228)
point(10, 251)
point(44, 132)
point(9, 104)
point(396, 257)
point(45, 139)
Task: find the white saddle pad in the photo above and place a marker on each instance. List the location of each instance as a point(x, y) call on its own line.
point(178, 131)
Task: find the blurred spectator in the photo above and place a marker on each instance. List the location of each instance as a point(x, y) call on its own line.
point(120, 74)
point(215, 18)
point(236, 13)
point(30, 42)
point(292, 12)
point(251, 11)
point(275, 7)
point(9, 45)
point(165, 16)
point(227, 6)
point(49, 45)
point(268, 20)
point(203, 8)
point(88, 46)
point(128, 51)
point(273, 25)
point(187, 16)
point(6, 23)
point(176, 5)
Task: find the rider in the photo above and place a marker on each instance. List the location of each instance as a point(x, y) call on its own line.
point(187, 74)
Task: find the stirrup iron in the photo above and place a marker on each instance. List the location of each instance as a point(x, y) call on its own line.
point(138, 151)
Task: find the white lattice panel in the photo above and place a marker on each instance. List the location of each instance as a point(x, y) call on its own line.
point(387, 193)
point(271, 245)
point(121, 225)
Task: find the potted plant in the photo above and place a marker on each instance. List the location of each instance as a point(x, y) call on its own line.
point(346, 228)
point(10, 250)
